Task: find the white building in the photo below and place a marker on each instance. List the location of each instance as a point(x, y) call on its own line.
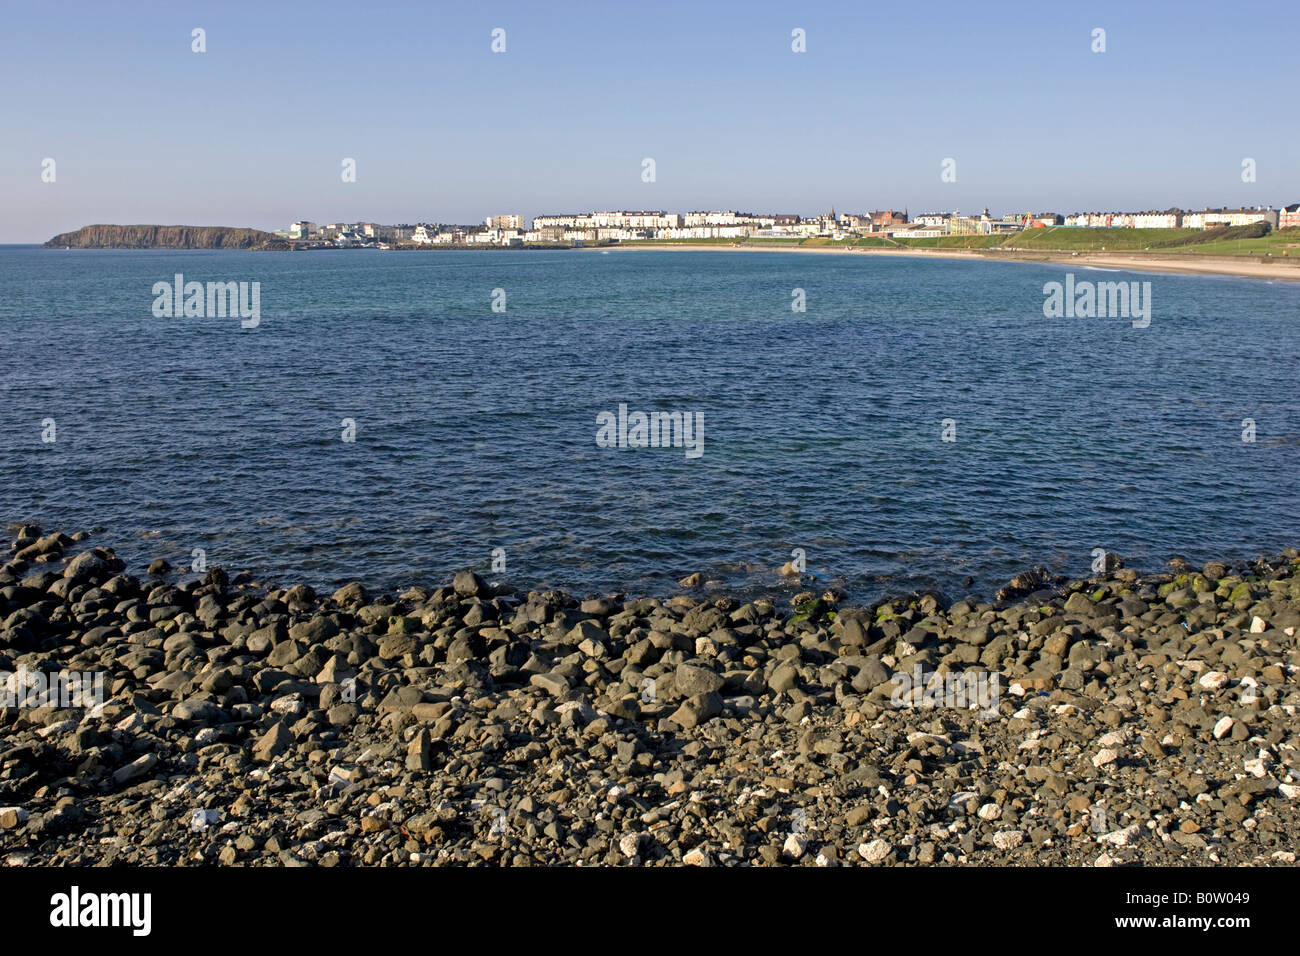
point(1156, 220)
point(1214, 218)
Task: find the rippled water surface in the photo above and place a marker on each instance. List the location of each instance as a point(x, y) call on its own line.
point(476, 430)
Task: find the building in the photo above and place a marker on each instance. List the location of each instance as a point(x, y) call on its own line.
point(939, 219)
point(1288, 217)
point(887, 217)
point(545, 234)
point(422, 236)
point(301, 229)
point(504, 222)
point(564, 221)
point(1169, 219)
point(1217, 218)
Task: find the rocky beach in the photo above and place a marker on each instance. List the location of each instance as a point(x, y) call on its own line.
point(1128, 719)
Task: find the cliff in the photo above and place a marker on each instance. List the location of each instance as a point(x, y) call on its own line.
point(166, 237)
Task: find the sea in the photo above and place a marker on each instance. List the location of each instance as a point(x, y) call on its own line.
point(886, 424)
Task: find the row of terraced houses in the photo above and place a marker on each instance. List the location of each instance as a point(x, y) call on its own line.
point(641, 225)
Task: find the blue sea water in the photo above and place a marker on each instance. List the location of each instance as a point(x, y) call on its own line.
point(475, 429)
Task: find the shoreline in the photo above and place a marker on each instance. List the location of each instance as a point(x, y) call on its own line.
point(1248, 268)
point(1245, 267)
point(469, 725)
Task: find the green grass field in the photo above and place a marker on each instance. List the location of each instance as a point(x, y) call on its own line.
point(1239, 241)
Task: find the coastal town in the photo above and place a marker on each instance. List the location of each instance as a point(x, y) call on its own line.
point(592, 228)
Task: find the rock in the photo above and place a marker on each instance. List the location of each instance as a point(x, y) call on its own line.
point(697, 857)
point(876, 851)
point(274, 742)
point(630, 845)
point(1223, 727)
point(198, 710)
point(200, 819)
point(696, 710)
point(1214, 680)
point(159, 567)
point(1104, 757)
point(554, 684)
point(350, 595)
point(783, 678)
point(795, 845)
point(13, 817)
point(1122, 837)
point(693, 680)
point(1007, 840)
point(92, 565)
point(469, 584)
point(692, 580)
point(135, 769)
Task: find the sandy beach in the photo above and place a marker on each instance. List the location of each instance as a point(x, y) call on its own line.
point(1250, 267)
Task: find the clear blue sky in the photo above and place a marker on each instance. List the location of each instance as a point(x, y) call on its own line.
point(253, 131)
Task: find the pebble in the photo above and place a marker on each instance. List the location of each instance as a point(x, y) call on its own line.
point(875, 851)
point(458, 726)
point(1104, 757)
point(795, 845)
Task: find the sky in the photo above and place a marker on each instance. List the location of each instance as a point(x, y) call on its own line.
point(254, 131)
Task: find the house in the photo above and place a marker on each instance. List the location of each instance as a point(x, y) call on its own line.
point(1288, 217)
point(888, 217)
point(1217, 218)
point(504, 222)
point(939, 219)
point(1169, 219)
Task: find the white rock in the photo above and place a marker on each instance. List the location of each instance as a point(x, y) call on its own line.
point(959, 800)
point(1222, 727)
point(1008, 839)
point(290, 704)
point(616, 793)
point(990, 811)
point(1104, 757)
point(795, 844)
point(200, 820)
point(1257, 625)
point(1104, 861)
point(697, 857)
point(1284, 856)
point(51, 730)
point(875, 851)
point(1121, 837)
point(1112, 739)
point(1288, 790)
point(630, 845)
point(1214, 680)
point(1259, 766)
